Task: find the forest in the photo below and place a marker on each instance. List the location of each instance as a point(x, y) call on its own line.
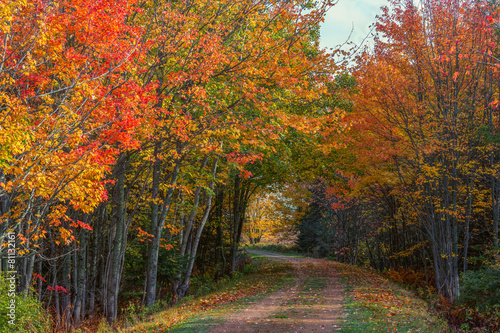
point(142, 143)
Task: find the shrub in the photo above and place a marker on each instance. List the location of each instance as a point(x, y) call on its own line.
point(201, 285)
point(27, 313)
point(481, 288)
point(242, 260)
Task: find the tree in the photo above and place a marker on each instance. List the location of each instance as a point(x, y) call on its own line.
point(70, 103)
point(423, 96)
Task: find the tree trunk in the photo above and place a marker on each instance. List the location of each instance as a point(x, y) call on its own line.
point(81, 271)
point(181, 284)
point(118, 222)
point(157, 223)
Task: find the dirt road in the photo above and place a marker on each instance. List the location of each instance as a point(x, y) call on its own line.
point(312, 303)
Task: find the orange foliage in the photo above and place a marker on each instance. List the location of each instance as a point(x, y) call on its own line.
point(69, 104)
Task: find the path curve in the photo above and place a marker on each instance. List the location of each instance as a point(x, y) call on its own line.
point(311, 303)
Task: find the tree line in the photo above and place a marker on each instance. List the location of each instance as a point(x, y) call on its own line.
point(416, 183)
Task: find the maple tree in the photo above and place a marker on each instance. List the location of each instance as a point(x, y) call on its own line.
point(234, 97)
point(417, 127)
point(70, 104)
point(260, 220)
point(121, 122)
point(412, 185)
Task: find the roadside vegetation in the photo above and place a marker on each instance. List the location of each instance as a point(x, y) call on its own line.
point(371, 302)
point(276, 248)
point(207, 301)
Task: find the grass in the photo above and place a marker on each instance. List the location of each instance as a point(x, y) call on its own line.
point(315, 283)
point(309, 293)
point(289, 250)
point(199, 324)
point(199, 313)
point(372, 303)
point(291, 255)
point(281, 315)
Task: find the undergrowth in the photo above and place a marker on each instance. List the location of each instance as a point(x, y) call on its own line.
point(476, 310)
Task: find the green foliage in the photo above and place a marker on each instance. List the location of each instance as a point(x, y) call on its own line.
point(29, 315)
point(343, 82)
point(201, 286)
point(248, 269)
point(481, 288)
point(170, 264)
point(136, 313)
point(312, 238)
point(103, 326)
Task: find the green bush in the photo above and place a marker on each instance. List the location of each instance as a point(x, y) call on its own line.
point(201, 285)
point(18, 313)
point(480, 289)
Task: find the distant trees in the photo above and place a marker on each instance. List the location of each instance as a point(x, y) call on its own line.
point(271, 215)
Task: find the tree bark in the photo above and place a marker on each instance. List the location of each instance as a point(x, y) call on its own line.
point(181, 284)
point(157, 223)
point(118, 222)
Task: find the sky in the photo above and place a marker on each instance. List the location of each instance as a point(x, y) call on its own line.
point(347, 15)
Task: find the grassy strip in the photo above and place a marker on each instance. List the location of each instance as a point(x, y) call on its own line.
point(372, 303)
point(201, 312)
point(288, 250)
point(309, 293)
point(290, 255)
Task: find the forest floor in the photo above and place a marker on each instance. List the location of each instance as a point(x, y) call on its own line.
point(283, 293)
